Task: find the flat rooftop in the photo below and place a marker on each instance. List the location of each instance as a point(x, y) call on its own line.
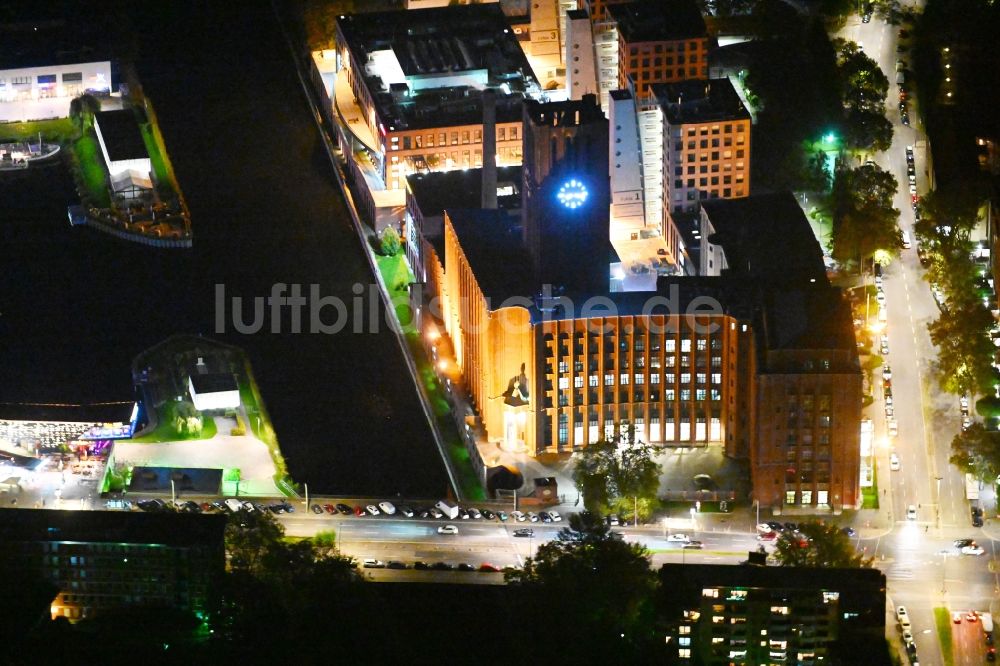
point(766, 237)
point(120, 131)
point(84, 413)
point(567, 112)
point(813, 317)
point(462, 188)
point(168, 528)
point(428, 67)
point(660, 20)
point(699, 101)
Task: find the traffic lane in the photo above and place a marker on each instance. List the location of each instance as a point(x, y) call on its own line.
point(968, 646)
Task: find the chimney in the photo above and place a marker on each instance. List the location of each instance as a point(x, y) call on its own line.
point(489, 185)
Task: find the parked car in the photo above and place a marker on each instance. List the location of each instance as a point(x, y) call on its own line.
point(678, 538)
point(962, 543)
point(767, 536)
point(447, 529)
point(344, 509)
point(533, 517)
point(502, 515)
point(359, 511)
point(387, 508)
point(486, 567)
point(465, 566)
point(475, 514)
point(894, 462)
point(372, 510)
point(317, 509)
point(911, 512)
point(893, 428)
point(396, 564)
point(956, 617)
point(329, 508)
point(518, 516)
point(373, 564)
point(613, 520)
point(441, 566)
point(974, 549)
point(544, 515)
point(436, 513)
point(693, 545)
point(421, 565)
point(488, 515)
point(556, 516)
point(463, 514)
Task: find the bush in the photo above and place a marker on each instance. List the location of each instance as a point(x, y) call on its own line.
point(988, 407)
point(874, 362)
point(390, 242)
point(866, 401)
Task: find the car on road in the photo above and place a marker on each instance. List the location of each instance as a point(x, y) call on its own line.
point(502, 515)
point(372, 510)
point(962, 543)
point(344, 509)
point(849, 531)
point(613, 520)
point(894, 462)
point(977, 516)
point(764, 527)
point(886, 372)
point(488, 515)
point(774, 525)
point(486, 567)
point(518, 516)
point(524, 532)
point(893, 428)
point(974, 549)
point(889, 412)
point(972, 616)
point(907, 637)
point(911, 512)
point(956, 617)
point(693, 545)
point(317, 509)
point(387, 508)
point(396, 564)
point(475, 514)
point(901, 613)
point(966, 422)
point(373, 564)
point(678, 538)
point(556, 516)
point(441, 566)
point(465, 566)
point(767, 536)
point(447, 529)
point(423, 566)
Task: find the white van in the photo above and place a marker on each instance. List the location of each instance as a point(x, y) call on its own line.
point(906, 241)
point(900, 78)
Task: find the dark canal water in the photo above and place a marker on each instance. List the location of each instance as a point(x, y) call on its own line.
point(76, 306)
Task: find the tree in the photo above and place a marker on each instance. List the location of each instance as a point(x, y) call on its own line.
point(976, 451)
point(593, 583)
point(250, 538)
point(818, 544)
point(965, 350)
point(889, 11)
point(864, 221)
point(615, 470)
point(867, 131)
point(864, 85)
point(816, 173)
point(390, 242)
point(82, 110)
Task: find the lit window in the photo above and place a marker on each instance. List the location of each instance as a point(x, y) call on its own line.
point(623, 379)
point(779, 610)
point(684, 653)
point(594, 381)
point(640, 378)
point(684, 640)
point(718, 619)
point(685, 345)
point(710, 592)
point(684, 629)
point(563, 383)
point(609, 379)
point(578, 381)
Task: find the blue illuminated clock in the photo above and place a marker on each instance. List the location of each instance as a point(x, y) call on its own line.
point(572, 194)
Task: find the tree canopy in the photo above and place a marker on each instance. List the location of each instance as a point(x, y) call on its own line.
point(864, 220)
point(818, 544)
point(976, 451)
point(616, 470)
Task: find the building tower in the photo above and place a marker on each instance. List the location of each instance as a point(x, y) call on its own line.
point(581, 69)
point(565, 192)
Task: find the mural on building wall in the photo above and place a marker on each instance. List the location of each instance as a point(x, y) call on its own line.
point(517, 393)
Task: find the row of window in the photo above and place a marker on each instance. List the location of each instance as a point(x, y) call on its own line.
point(669, 47)
point(703, 431)
point(805, 497)
point(707, 181)
point(639, 344)
point(659, 62)
point(411, 141)
point(640, 379)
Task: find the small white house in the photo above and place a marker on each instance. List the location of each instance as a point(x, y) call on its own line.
point(216, 390)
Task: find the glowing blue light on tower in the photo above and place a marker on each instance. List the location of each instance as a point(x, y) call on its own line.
point(572, 194)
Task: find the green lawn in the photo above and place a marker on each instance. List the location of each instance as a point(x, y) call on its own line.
point(157, 158)
point(397, 276)
point(164, 432)
point(260, 425)
point(942, 618)
point(91, 165)
point(870, 495)
point(56, 129)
